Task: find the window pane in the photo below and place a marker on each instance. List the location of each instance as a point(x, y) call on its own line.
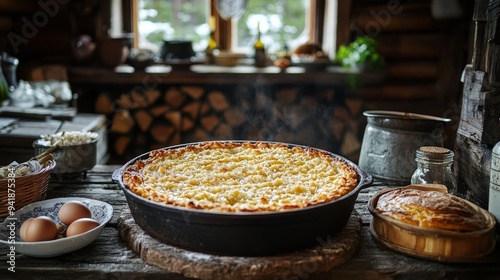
point(160, 20)
point(281, 22)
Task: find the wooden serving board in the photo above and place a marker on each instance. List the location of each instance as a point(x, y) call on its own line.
point(294, 265)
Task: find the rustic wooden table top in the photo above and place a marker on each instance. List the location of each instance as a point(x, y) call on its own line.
point(108, 257)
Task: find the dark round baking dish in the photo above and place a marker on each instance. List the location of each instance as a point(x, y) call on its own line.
point(243, 234)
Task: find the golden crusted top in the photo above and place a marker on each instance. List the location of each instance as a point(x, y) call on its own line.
point(241, 176)
point(430, 209)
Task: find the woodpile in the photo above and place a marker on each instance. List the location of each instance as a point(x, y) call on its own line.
point(319, 117)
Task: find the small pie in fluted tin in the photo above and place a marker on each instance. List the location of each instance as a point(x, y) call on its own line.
point(240, 176)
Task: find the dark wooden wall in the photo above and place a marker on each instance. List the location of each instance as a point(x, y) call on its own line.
point(479, 128)
point(44, 32)
point(425, 57)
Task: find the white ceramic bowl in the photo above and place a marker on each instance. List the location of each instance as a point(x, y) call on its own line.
point(101, 212)
point(227, 58)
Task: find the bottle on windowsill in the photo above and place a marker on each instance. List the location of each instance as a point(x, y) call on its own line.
point(212, 44)
point(260, 50)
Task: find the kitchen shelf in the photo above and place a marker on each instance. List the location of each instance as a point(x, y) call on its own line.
point(212, 74)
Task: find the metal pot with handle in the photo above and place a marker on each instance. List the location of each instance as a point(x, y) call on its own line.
point(391, 139)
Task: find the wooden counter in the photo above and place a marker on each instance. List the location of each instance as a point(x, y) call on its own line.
point(110, 258)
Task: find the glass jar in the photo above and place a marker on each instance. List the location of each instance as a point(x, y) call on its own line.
point(434, 167)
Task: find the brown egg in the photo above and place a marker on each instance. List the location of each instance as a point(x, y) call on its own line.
point(81, 226)
point(72, 211)
point(22, 230)
point(41, 228)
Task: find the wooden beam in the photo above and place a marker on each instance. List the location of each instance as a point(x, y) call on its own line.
point(317, 16)
point(343, 22)
point(134, 13)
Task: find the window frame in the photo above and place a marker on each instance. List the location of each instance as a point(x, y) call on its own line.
point(224, 27)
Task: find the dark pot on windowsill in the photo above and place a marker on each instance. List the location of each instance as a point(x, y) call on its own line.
point(177, 50)
point(113, 51)
point(82, 48)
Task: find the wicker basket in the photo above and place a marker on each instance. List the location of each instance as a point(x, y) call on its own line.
point(27, 189)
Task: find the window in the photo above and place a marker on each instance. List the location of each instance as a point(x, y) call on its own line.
point(160, 20)
point(282, 22)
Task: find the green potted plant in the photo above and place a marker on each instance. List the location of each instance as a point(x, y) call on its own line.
point(361, 54)
point(4, 87)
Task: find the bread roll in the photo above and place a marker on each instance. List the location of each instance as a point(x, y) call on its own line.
point(431, 209)
point(310, 52)
point(308, 48)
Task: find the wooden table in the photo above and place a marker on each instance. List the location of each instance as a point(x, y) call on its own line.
point(109, 257)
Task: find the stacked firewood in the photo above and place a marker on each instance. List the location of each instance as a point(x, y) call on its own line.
point(150, 116)
point(142, 121)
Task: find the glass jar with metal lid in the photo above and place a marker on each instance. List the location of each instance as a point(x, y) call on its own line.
point(434, 167)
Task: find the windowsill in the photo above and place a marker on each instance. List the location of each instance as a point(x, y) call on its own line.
point(213, 74)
